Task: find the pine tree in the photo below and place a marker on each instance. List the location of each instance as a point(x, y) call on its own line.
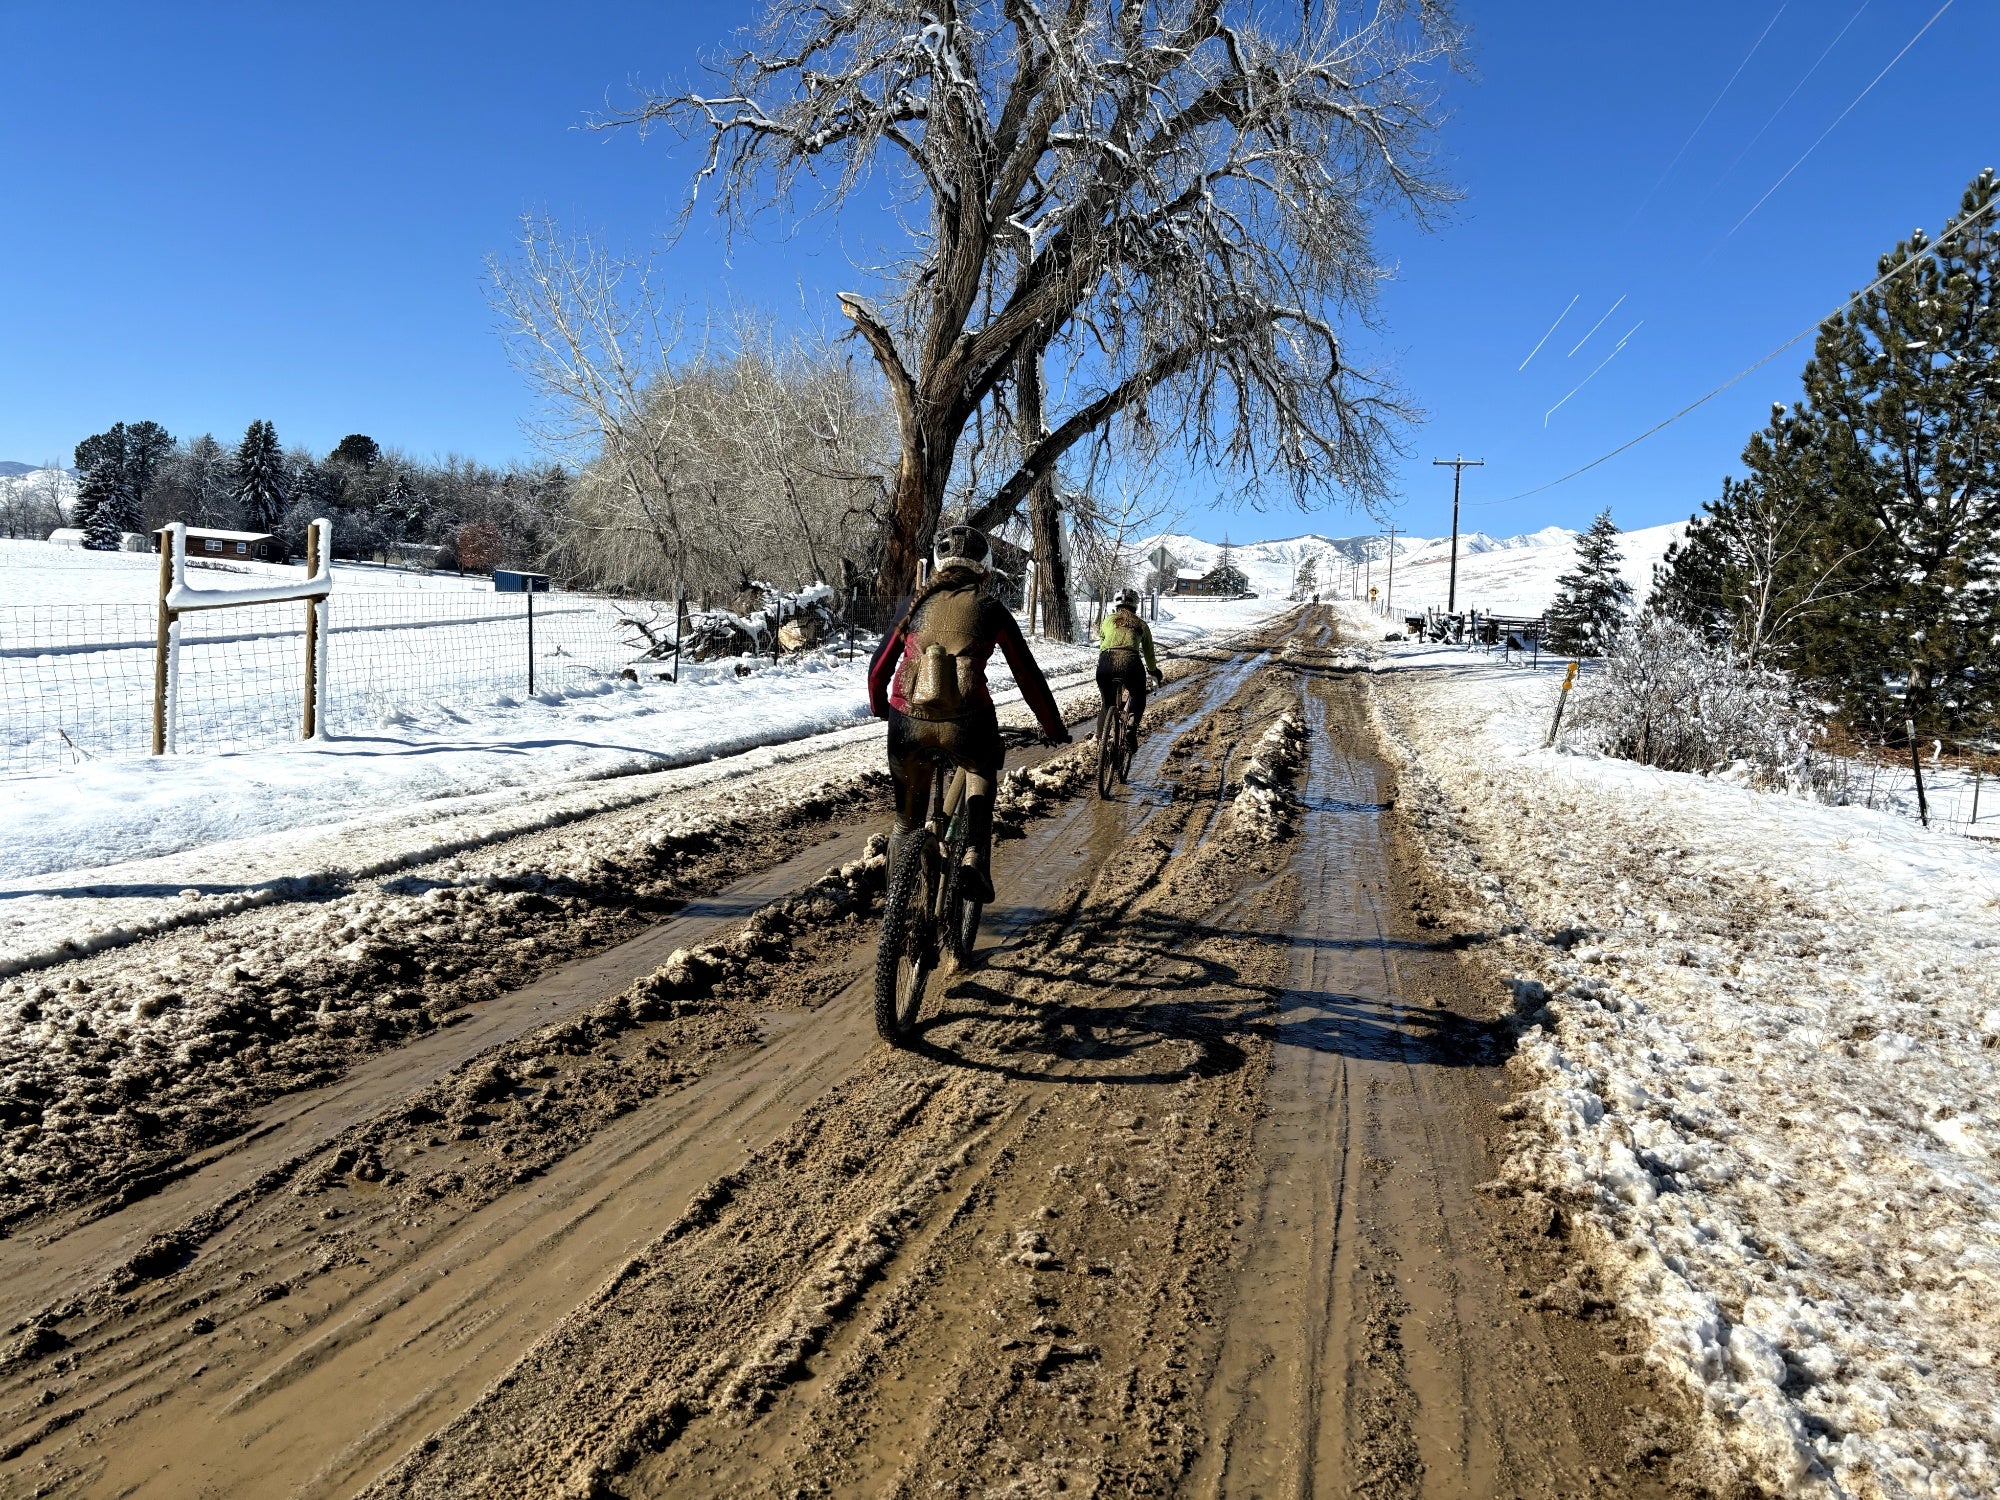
point(1307, 578)
point(1905, 389)
point(147, 449)
point(260, 477)
point(103, 496)
point(1225, 577)
point(1592, 602)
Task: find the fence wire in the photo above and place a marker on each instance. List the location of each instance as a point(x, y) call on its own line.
point(76, 680)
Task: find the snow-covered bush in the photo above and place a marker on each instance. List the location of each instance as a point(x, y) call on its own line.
point(1665, 697)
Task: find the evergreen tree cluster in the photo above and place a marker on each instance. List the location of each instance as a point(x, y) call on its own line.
point(136, 477)
point(1860, 550)
point(117, 472)
point(1592, 599)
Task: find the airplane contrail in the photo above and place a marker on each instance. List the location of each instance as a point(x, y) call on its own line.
point(1791, 96)
point(1704, 119)
point(1597, 325)
point(1841, 116)
point(1593, 374)
point(1545, 337)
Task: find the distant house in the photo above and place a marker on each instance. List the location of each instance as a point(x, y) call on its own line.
point(1209, 586)
point(219, 546)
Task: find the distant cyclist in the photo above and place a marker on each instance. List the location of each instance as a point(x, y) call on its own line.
point(929, 682)
point(1126, 657)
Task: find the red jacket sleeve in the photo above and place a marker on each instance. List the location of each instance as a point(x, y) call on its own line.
point(882, 670)
point(1028, 676)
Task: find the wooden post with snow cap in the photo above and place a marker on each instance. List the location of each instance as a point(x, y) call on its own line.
point(1569, 681)
point(309, 715)
point(163, 649)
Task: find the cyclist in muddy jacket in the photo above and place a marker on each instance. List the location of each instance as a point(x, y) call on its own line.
point(1125, 657)
point(929, 682)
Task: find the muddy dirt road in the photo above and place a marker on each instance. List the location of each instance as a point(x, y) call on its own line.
point(1177, 1191)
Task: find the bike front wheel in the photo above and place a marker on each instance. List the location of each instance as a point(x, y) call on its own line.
point(908, 949)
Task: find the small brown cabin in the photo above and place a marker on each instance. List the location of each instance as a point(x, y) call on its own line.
point(224, 546)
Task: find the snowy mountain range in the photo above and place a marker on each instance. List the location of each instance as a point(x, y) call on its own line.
point(1513, 575)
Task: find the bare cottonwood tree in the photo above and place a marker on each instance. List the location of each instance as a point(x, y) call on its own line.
point(591, 334)
point(1171, 196)
point(711, 457)
point(1110, 518)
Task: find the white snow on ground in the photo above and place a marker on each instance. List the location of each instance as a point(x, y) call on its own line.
point(41, 573)
point(1763, 1082)
point(100, 854)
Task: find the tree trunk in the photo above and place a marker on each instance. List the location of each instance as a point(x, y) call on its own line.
point(1052, 581)
point(913, 519)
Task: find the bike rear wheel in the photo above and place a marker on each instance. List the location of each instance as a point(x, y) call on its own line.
point(1110, 741)
point(1127, 726)
point(908, 949)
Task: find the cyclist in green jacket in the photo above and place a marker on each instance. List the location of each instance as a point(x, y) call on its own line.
point(1125, 657)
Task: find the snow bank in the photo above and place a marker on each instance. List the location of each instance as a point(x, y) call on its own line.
point(1759, 1063)
point(100, 857)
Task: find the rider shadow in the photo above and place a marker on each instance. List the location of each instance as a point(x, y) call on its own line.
point(1147, 1047)
point(1177, 1015)
point(1372, 1028)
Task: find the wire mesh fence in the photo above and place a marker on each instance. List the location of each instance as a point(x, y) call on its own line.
point(77, 680)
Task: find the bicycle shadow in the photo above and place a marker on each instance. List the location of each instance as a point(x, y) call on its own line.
point(1144, 1011)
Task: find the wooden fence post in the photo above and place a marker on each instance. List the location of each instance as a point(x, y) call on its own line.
point(309, 718)
point(163, 647)
point(680, 625)
point(1917, 767)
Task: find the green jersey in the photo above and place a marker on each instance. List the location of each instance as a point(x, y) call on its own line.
point(1123, 630)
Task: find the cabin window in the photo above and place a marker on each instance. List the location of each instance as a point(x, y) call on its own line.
point(210, 544)
point(242, 547)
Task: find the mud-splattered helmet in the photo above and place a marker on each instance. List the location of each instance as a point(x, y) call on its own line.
point(964, 547)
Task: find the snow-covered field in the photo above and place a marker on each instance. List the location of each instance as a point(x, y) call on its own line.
point(501, 747)
point(1760, 1075)
point(1513, 575)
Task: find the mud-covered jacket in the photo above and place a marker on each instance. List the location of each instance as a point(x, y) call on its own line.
point(1123, 630)
point(955, 613)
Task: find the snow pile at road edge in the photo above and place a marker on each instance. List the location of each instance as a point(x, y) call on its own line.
point(1737, 1126)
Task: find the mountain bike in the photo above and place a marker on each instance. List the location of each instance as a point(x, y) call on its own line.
point(926, 917)
point(1114, 741)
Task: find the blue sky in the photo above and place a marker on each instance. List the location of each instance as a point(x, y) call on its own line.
point(221, 212)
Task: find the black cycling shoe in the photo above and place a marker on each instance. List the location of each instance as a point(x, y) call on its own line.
point(975, 883)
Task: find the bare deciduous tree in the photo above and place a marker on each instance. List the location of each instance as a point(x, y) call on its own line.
point(1171, 196)
point(711, 461)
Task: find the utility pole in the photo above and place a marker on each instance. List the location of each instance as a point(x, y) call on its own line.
point(1389, 605)
point(1458, 466)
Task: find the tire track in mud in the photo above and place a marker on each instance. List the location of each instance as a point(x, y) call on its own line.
point(1152, 1204)
point(275, 1278)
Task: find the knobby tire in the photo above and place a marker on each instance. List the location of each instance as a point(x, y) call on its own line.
point(907, 938)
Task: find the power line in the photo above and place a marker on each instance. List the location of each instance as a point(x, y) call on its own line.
point(1890, 275)
point(1545, 337)
point(1593, 374)
point(1791, 96)
point(1598, 324)
point(1841, 116)
point(1704, 119)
